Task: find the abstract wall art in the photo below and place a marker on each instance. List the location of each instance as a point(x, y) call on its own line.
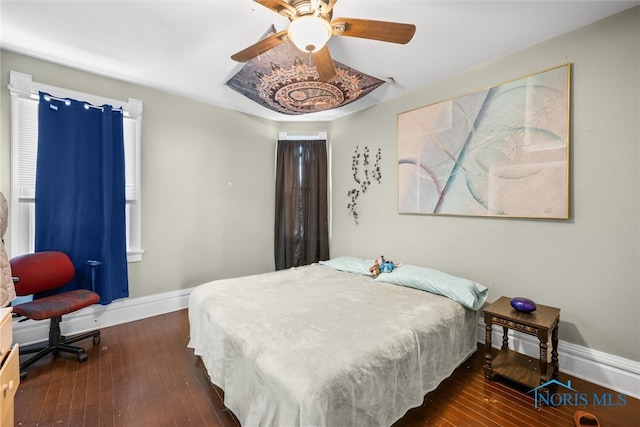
point(502, 151)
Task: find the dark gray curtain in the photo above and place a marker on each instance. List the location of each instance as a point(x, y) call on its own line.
point(302, 217)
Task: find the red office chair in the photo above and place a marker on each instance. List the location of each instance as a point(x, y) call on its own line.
point(41, 272)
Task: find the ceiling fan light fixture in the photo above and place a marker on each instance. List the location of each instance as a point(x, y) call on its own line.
point(309, 33)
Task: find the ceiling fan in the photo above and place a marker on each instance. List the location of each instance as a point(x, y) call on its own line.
point(312, 26)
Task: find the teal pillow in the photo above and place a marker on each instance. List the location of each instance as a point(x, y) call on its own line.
point(350, 264)
point(467, 292)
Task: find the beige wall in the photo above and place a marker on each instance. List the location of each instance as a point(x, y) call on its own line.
point(589, 265)
point(208, 189)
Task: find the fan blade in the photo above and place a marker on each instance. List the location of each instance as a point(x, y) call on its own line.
point(261, 47)
point(393, 32)
point(324, 65)
point(330, 5)
point(279, 6)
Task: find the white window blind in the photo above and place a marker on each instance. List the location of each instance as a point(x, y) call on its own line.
point(24, 145)
point(28, 147)
point(130, 156)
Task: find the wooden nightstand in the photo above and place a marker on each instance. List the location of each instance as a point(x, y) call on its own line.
point(511, 364)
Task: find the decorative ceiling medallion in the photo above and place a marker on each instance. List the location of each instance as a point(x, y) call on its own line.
point(285, 80)
point(307, 97)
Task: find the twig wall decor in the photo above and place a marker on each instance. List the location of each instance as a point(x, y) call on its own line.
point(362, 184)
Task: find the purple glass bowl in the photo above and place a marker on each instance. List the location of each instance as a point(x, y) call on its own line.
point(524, 305)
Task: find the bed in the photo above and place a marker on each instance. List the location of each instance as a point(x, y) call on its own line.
point(324, 346)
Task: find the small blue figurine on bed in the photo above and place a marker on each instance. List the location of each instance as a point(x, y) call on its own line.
point(381, 266)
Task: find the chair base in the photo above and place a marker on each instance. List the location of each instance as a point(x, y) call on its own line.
point(57, 343)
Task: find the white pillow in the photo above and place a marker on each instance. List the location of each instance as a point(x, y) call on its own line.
point(350, 264)
point(467, 292)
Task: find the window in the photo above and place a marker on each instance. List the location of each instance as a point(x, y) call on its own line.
point(284, 136)
point(24, 148)
point(302, 201)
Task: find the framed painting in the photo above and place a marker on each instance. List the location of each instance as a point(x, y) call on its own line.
point(502, 151)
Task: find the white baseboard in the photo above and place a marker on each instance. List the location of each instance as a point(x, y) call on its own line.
point(616, 373)
point(613, 372)
point(102, 316)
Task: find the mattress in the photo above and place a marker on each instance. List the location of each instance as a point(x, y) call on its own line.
point(314, 346)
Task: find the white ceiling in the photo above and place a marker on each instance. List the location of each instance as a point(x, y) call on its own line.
point(184, 47)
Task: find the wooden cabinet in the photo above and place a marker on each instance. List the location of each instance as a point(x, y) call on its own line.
point(9, 369)
point(542, 323)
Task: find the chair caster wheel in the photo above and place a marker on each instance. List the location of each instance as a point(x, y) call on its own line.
point(96, 340)
point(82, 357)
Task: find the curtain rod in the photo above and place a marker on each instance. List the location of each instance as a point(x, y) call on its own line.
point(86, 104)
point(284, 136)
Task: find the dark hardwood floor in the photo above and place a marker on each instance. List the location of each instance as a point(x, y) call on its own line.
point(143, 374)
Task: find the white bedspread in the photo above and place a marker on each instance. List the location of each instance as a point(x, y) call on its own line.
point(313, 346)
